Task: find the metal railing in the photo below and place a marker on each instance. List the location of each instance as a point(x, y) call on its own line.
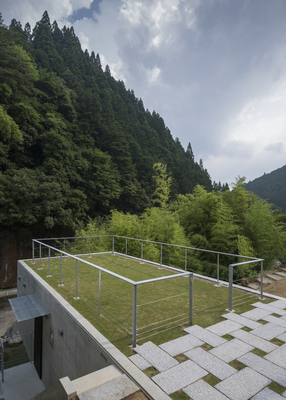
point(2, 361)
point(135, 284)
point(153, 252)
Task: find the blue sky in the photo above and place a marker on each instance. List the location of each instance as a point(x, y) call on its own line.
point(213, 69)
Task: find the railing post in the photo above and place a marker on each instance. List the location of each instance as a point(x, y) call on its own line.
point(2, 360)
point(40, 267)
point(126, 247)
point(141, 252)
point(186, 265)
point(113, 245)
point(191, 294)
point(76, 283)
point(65, 249)
point(217, 269)
point(261, 281)
point(230, 282)
point(99, 291)
point(49, 274)
point(61, 279)
point(161, 256)
point(134, 330)
point(89, 248)
point(33, 251)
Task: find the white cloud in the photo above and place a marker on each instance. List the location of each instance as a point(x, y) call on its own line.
point(214, 70)
point(32, 10)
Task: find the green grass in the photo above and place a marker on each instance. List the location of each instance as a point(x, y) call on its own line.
point(153, 314)
point(276, 387)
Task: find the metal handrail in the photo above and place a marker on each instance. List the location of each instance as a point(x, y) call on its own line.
point(2, 359)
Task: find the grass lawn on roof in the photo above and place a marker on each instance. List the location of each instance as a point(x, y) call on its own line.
point(154, 315)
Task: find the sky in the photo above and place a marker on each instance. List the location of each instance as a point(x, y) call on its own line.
point(215, 70)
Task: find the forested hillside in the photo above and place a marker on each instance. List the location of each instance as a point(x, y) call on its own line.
point(271, 187)
point(75, 143)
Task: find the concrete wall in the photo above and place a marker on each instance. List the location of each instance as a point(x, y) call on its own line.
point(81, 349)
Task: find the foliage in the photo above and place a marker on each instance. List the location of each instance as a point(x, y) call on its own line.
point(65, 121)
point(271, 187)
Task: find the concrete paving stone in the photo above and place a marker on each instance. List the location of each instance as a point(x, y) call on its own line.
point(256, 314)
point(179, 377)
point(282, 337)
point(275, 320)
point(264, 367)
point(254, 341)
point(210, 363)
point(201, 390)
point(269, 307)
point(180, 345)
point(284, 394)
point(205, 335)
point(242, 320)
point(243, 384)
point(268, 331)
point(278, 356)
point(279, 304)
point(116, 389)
point(224, 327)
point(140, 362)
point(156, 356)
point(231, 350)
point(267, 394)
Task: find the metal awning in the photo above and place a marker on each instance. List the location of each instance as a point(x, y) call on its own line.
point(28, 307)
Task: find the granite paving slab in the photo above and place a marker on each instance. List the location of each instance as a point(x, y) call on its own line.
point(265, 367)
point(254, 340)
point(278, 356)
point(205, 335)
point(201, 390)
point(116, 389)
point(256, 314)
point(282, 337)
point(178, 377)
point(140, 362)
point(268, 331)
point(224, 327)
point(156, 356)
point(242, 320)
point(267, 394)
point(231, 350)
point(269, 307)
point(210, 363)
point(243, 384)
point(279, 304)
point(275, 320)
point(180, 345)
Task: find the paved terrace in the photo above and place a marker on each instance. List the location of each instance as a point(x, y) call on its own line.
point(207, 351)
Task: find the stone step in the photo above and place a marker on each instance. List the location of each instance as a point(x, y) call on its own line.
point(254, 286)
point(96, 378)
point(280, 273)
point(266, 280)
point(118, 388)
point(274, 276)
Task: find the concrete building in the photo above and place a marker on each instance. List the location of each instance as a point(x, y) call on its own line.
point(72, 358)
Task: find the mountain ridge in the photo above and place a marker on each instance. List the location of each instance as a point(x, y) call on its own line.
point(271, 187)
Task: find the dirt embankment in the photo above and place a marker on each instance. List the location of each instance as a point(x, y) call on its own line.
point(277, 288)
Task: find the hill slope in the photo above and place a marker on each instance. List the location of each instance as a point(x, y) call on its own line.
point(75, 142)
point(271, 187)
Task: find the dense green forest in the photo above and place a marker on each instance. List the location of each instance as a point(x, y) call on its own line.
point(74, 141)
point(234, 222)
point(78, 149)
point(271, 187)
